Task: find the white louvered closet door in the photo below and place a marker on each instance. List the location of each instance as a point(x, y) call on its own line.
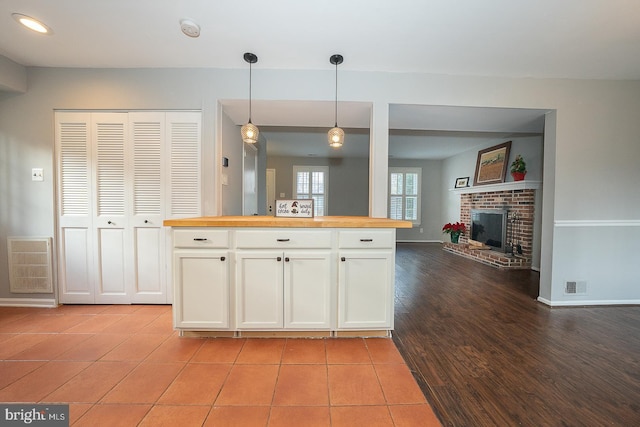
point(76, 270)
point(120, 175)
point(183, 133)
point(147, 141)
point(184, 186)
point(111, 175)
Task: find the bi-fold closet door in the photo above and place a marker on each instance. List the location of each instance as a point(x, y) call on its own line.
point(119, 176)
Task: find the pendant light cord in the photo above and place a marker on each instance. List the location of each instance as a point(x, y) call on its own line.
point(336, 94)
point(250, 92)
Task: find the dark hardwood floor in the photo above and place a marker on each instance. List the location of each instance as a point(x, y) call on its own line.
point(485, 353)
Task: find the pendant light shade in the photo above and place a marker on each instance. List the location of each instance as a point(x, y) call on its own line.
point(249, 131)
point(336, 135)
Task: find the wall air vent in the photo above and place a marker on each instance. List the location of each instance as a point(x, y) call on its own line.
point(575, 288)
point(30, 265)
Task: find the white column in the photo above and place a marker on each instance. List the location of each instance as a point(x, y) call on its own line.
point(379, 160)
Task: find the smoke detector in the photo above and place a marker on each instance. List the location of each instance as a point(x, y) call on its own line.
point(190, 28)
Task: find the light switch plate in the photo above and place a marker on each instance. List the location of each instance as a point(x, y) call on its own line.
point(37, 174)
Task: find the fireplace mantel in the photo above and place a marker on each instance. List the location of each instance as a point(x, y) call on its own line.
point(504, 186)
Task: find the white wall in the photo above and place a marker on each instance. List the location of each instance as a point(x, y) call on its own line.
point(13, 76)
point(231, 142)
point(594, 170)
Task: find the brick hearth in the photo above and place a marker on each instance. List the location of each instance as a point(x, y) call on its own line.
point(519, 203)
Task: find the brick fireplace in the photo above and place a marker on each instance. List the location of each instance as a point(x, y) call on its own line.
point(519, 202)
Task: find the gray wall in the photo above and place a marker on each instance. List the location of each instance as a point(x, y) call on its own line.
point(430, 209)
point(348, 181)
point(464, 164)
point(591, 176)
point(232, 150)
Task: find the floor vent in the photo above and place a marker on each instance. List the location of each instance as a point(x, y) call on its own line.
point(575, 288)
point(30, 265)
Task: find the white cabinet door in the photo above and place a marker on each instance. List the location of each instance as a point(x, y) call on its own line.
point(307, 289)
point(259, 289)
point(201, 298)
point(76, 271)
point(365, 289)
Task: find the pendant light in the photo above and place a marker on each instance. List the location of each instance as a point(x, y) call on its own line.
point(250, 131)
point(336, 135)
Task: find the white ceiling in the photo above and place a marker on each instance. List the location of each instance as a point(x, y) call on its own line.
point(543, 38)
point(525, 38)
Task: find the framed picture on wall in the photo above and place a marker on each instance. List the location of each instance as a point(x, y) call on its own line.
point(462, 182)
point(491, 166)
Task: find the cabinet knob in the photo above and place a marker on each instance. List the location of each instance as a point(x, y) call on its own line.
point(286, 259)
point(146, 221)
point(222, 258)
point(366, 240)
point(343, 259)
point(283, 240)
point(109, 222)
point(200, 239)
point(279, 258)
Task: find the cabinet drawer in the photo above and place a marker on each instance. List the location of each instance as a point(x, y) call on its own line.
point(283, 238)
point(200, 238)
point(366, 238)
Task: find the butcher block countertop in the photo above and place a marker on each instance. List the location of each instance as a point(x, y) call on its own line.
point(270, 221)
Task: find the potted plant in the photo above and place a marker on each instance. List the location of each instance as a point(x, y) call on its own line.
point(518, 168)
point(454, 230)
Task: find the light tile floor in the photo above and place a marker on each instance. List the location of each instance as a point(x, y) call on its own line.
point(125, 366)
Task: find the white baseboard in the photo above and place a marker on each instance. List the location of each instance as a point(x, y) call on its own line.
point(587, 302)
point(28, 302)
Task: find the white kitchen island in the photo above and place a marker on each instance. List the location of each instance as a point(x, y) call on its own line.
point(267, 276)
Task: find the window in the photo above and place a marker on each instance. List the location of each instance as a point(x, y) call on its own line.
point(404, 194)
point(312, 182)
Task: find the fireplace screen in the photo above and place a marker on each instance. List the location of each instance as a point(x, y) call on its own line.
point(489, 227)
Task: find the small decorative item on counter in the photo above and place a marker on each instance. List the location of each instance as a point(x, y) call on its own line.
point(301, 208)
point(518, 168)
point(454, 230)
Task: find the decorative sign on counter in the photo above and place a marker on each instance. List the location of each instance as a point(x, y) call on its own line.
point(295, 208)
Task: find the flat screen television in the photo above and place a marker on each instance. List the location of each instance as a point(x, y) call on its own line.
point(489, 227)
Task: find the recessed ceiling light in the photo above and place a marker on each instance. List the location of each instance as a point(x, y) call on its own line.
point(32, 23)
